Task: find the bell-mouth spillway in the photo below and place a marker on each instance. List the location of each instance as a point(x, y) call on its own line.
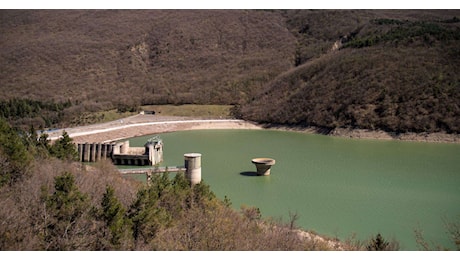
point(263, 165)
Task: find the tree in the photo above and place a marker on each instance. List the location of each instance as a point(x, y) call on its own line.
point(112, 213)
point(64, 148)
point(38, 147)
point(64, 210)
point(43, 141)
point(14, 154)
point(33, 137)
point(379, 244)
point(202, 194)
point(147, 216)
point(453, 230)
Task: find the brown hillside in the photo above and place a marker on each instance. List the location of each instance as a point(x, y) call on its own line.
point(392, 74)
point(395, 70)
point(142, 56)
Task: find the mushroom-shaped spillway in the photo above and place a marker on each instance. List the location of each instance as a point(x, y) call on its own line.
point(263, 165)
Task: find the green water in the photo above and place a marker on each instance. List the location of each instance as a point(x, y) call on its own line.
point(337, 186)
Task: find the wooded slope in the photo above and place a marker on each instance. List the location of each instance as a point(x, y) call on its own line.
point(395, 74)
point(395, 70)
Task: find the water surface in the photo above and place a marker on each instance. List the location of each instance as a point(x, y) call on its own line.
point(337, 186)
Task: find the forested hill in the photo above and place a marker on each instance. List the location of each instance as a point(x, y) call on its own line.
point(395, 70)
point(102, 59)
point(141, 56)
point(389, 70)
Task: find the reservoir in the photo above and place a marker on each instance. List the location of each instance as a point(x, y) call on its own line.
point(338, 187)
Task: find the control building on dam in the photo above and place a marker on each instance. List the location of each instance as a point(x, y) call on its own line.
point(122, 154)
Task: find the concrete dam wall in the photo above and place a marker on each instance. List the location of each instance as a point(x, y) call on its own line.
point(121, 153)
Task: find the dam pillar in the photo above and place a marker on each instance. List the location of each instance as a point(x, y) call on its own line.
point(193, 167)
point(98, 151)
point(110, 150)
point(263, 165)
point(93, 152)
point(80, 152)
point(103, 151)
point(106, 151)
point(86, 152)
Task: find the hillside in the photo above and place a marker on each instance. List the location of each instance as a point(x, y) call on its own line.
point(102, 59)
point(394, 70)
point(394, 73)
point(148, 56)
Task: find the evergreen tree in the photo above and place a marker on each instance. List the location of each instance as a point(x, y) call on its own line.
point(175, 201)
point(64, 148)
point(43, 141)
point(33, 137)
point(378, 244)
point(13, 151)
point(202, 194)
point(154, 207)
point(147, 217)
point(160, 184)
point(64, 210)
point(113, 214)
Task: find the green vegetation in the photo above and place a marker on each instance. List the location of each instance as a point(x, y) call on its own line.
point(63, 208)
point(18, 149)
point(64, 148)
point(35, 112)
point(380, 244)
point(14, 158)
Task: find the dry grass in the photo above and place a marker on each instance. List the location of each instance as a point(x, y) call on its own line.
point(208, 111)
point(99, 117)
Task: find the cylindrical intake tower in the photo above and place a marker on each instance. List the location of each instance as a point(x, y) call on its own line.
point(193, 167)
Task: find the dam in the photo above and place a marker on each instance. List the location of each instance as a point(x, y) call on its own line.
point(121, 153)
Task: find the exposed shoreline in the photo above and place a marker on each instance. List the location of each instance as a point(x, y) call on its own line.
point(373, 134)
point(140, 125)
